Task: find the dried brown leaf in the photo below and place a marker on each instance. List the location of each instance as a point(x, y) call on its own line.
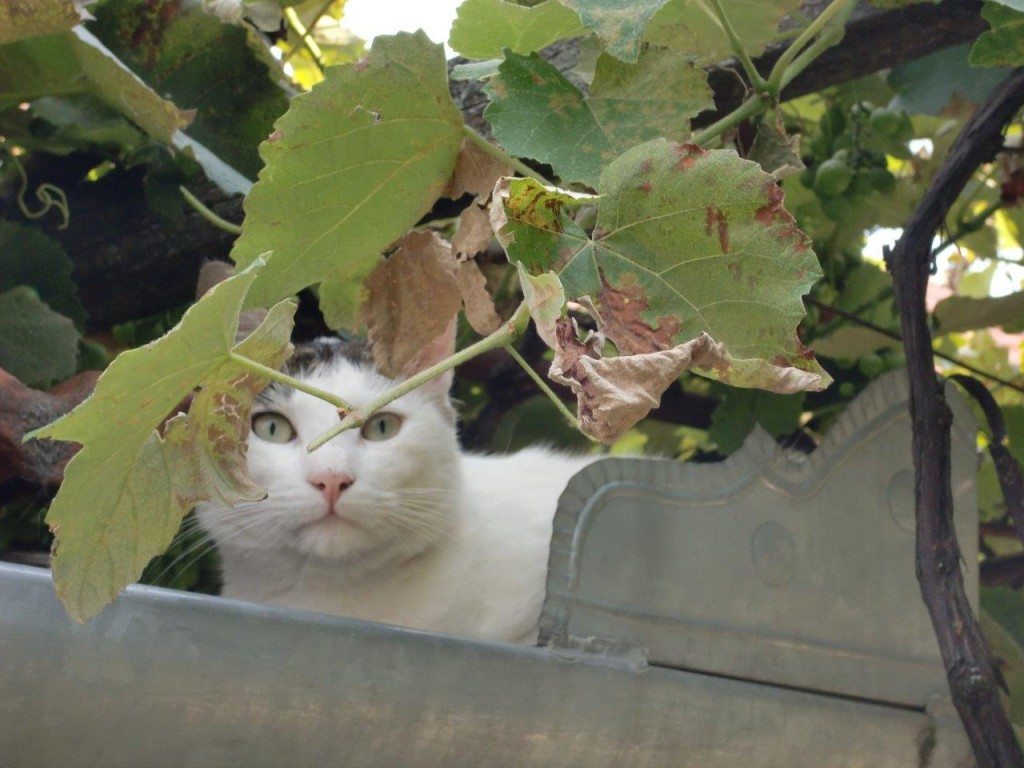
point(410, 298)
point(479, 305)
point(475, 172)
point(473, 233)
point(615, 393)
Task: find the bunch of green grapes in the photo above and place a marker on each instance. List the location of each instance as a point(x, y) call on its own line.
point(849, 155)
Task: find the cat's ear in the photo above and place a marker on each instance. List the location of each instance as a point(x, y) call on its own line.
point(437, 350)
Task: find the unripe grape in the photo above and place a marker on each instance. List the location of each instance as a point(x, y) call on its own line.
point(885, 121)
point(832, 178)
point(871, 365)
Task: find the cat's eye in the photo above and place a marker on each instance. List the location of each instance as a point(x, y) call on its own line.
point(272, 427)
point(382, 426)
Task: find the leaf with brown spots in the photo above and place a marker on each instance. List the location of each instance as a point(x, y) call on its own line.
point(686, 242)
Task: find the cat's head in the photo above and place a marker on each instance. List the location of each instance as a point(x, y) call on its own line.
point(383, 492)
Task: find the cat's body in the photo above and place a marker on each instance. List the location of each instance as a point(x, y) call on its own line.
point(394, 524)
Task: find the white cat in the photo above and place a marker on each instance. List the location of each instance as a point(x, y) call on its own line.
point(391, 523)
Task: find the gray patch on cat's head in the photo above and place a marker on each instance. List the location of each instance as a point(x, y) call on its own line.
point(325, 351)
point(311, 355)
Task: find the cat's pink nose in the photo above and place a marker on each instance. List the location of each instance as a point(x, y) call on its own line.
point(331, 485)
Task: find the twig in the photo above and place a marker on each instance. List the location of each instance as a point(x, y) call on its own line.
point(568, 415)
point(309, 30)
point(790, 54)
point(856, 320)
point(206, 213)
point(759, 83)
point(1011, 479)
point(289, 381)
point(972, 224)
point(970, 670)
point(314, 50)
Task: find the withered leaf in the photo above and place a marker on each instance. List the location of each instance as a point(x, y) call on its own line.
point(410, 298)
point(479, 305)
point(473, 234)
point(475, 172)
point(615, 393)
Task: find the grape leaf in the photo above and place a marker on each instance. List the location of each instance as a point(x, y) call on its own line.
point(545, 297)
point(687, 241)
point(410, 298)
point(76, 62)
point(30, 257)
point(483, 28)
point(20, 20)
point(536, 112)
point(692, 26)
point(200, 63)
point(955, 314)
point(741, 409)
point(37, 345)
point(125, 492)
point(351, 167)
point(619, 24)
point(929, 84)
point(1003, 44)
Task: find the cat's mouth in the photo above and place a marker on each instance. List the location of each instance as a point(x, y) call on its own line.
point(330, 519)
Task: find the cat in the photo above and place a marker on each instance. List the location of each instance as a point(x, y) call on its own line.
point(392, 523)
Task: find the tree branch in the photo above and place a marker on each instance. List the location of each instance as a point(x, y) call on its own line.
point(969, 666)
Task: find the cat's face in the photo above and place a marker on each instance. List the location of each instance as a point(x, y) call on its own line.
point(386, 490)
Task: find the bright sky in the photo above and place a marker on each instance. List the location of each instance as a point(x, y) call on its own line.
point(369, 18)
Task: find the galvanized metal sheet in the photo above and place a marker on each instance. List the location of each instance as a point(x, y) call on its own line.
point(774, 565)
point(165, 678)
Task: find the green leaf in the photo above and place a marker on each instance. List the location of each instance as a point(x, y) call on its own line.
point(1003, 44)
point(125, 492)
point(692, 26)
point(687, 241)
point(741, 409)
point(351, 167)
point(37, 345)
point(30, 257)
point(536, 112)
point(32, 18)
point(619, 24)
point(963, 313)
point(927, 85)
point(484, 28)
point(200, 63)
point(76, 62)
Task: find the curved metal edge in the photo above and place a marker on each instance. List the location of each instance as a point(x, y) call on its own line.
point(759, 457)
